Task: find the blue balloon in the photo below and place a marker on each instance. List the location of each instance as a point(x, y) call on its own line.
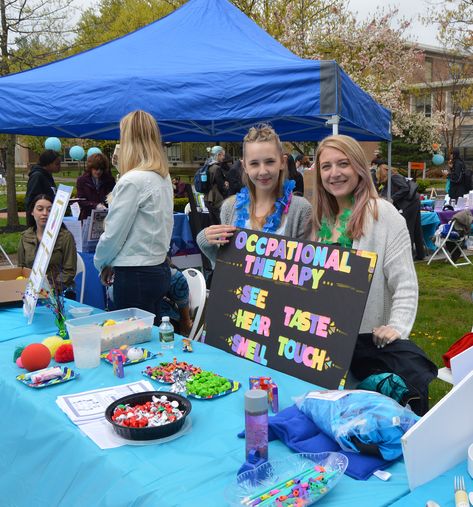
point(53, 143)
point(77, 153)
point(438, 159)
point(93, 151)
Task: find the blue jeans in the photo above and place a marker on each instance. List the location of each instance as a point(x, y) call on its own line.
point(141, 287)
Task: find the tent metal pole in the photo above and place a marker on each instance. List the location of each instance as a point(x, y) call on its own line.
point(334, 120)
point(389, 169)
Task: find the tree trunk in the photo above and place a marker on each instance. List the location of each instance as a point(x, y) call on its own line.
point(12, 208)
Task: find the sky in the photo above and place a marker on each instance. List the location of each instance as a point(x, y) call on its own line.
point(410, 9)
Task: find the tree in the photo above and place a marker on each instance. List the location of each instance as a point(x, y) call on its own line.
point(30, 34)
point(455, 18)
point(113, 18)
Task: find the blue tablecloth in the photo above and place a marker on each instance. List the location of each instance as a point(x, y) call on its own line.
point(182, 243)
point(429, 221)
point(46, 461)
point(439, 489)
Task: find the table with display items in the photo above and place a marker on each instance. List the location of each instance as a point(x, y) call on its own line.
point(46, 460)
point(182, 244)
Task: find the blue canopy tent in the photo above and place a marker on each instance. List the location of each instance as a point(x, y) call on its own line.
point(206, 72)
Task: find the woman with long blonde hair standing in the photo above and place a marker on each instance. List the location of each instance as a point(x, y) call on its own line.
point(132, 250)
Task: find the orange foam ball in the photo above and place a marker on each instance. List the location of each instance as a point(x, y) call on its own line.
point(35, 357)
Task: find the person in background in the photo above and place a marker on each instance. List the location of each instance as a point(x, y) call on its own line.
point(348, 212)
point(295, 175)
point(299, 160)
point(234, 178)
point(94, 185)
point(457, 176)
point(266, 202)
point(63, 264)
point(176, 302)
point(179, 187)
point(405, 198)
point(213, 199)
point(131, 252)
point(40, 178)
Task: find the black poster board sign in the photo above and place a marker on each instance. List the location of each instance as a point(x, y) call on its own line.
point(295, 306)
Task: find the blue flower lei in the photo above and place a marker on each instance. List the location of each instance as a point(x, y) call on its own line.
point(273, 221)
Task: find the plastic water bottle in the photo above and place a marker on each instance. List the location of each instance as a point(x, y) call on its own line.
point(256, 422)
point(166, 334)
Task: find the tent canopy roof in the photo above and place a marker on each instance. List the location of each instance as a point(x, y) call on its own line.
point(206, 72)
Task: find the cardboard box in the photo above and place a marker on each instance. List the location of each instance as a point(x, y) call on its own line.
point(12, 289)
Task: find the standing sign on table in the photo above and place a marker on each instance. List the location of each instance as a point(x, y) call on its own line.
point(45, 249)
point(291, 305)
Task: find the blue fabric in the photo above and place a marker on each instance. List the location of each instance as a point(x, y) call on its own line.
point(362, 416)
point(429, 221)
point(301, 434)
point(205, 72)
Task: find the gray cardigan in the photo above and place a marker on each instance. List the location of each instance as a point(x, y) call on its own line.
point(296, 223)
point(393, 295)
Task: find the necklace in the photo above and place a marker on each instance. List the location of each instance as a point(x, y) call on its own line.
point(273, 221)
point(326, 231)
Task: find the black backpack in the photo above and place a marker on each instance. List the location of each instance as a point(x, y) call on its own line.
point(202, 183)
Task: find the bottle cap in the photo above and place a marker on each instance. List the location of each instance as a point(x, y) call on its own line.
point(256, 400)
point(165, 319)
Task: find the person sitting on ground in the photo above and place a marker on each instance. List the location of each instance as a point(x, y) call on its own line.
point(63, 264)
point(266, 202)
point(40, 178)
point(94, 185)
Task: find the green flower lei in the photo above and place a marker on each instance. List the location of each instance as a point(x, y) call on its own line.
point(325, 231)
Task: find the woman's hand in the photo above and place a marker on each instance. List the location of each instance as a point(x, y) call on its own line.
point(106, 276)
point(384, 335)
point(219, 234)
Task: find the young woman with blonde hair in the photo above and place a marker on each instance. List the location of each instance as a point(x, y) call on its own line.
point(348, 212)
point(132, 250)
point(266, 202)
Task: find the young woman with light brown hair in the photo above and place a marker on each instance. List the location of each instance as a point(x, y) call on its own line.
point(266, 202)
point(348, 212)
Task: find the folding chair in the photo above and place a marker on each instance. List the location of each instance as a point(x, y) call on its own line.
point(450, 242)
point(197, 299)
point(81, 269)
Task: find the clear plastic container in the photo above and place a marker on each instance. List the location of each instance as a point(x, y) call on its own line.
point(121, 327)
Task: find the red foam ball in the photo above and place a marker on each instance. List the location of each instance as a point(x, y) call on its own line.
point(64, 353)
point(35, 357)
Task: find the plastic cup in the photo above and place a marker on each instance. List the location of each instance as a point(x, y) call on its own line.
point(86, 341)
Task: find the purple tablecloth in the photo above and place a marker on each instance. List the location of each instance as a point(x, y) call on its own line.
point(445, 216)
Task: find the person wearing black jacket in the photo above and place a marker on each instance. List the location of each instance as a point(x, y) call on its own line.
point(295, 175)
point(405, 198)
point(40, 178)
point(457, 176)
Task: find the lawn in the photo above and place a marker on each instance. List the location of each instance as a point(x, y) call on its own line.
point(445, 313)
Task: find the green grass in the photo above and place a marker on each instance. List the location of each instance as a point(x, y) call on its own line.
point(444, 315)
point(10, 240)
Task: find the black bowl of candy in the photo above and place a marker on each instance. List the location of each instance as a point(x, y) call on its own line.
point(148, 415)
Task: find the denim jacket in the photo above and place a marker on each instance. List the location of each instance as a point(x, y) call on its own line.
point(139, 223)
